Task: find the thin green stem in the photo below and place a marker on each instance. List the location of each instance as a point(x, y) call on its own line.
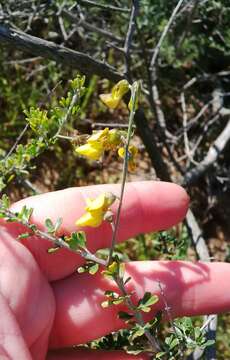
point(134, 94)
point(119, 281)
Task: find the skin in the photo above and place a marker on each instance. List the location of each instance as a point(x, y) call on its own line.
point(45, 306)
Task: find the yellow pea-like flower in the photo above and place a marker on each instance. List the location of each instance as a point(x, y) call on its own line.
point(110, 101)
point(100, 135)
point(99, 142)
point(109, 139)
point(114, 138)
point(92, 151)
point(102, 202)
point(113, 99)
point(96, 210)
point(89, 219)
point(132, 156)
point(120, 89)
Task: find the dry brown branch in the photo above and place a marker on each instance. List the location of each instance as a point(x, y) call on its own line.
point(80, 22)
point(163, 35)
point(151, 146)
point(189, 153)
point(159, 113)
point(214, 151)
point(47, 49)
point(103, 6)
point(190, 17)
point(129, 36)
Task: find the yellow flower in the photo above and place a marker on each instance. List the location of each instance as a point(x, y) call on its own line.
point(92, 151)
point(109, 139)
point(114, 139)
point(132, 153)
point(100, 141)
point(89, 219)
point(102, 202)
point(96, 210)
point(118, 91)
point(110, 101)
point(100, 135)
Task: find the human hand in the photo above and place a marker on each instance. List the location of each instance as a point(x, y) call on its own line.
point(45, 304)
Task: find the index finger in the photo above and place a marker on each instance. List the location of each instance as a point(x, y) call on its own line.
point(147, 206)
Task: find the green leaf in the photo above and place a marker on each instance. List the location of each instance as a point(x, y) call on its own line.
point(38, 121)
point(208, 343)
point(174, 343)
point(24, 236)
point(75, 109)
point(114, 298)
point(77, 83)
point(93, 269)
point(118, 301)
point(49, 225)
point(105, 304)
point(89, 267)
point(145, 309)
point(77, 240)
point(2, 183)
point(121, 270)
point(147, 301)
point(134, 350)
point(81, 270)
point(153, 322)
point(112, 294)
point(5, 201)
point(160, 354)
point(25, 214)
point(136, 332)
point(53, 250)
point(197, 332)
point(57, 224)
point(115, 269)
point(124, 316)
point(127, 280)
point(33, 227)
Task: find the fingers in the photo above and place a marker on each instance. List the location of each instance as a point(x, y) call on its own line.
point(93, 355)
point(29, 297)
point(188, 288)
point(147, 206)
point(12, 344)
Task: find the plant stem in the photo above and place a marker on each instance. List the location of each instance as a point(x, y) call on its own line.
point(137, 314)
point(65, 118)
point(57, 241)
point(119, 281)
point(71, 138)
point(17, 141)
point(134, 93)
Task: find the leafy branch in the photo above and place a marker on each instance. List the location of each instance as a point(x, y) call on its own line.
point(75, 243)
point(47, 127)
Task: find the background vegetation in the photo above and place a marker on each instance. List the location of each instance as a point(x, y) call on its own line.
point(183, 124)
